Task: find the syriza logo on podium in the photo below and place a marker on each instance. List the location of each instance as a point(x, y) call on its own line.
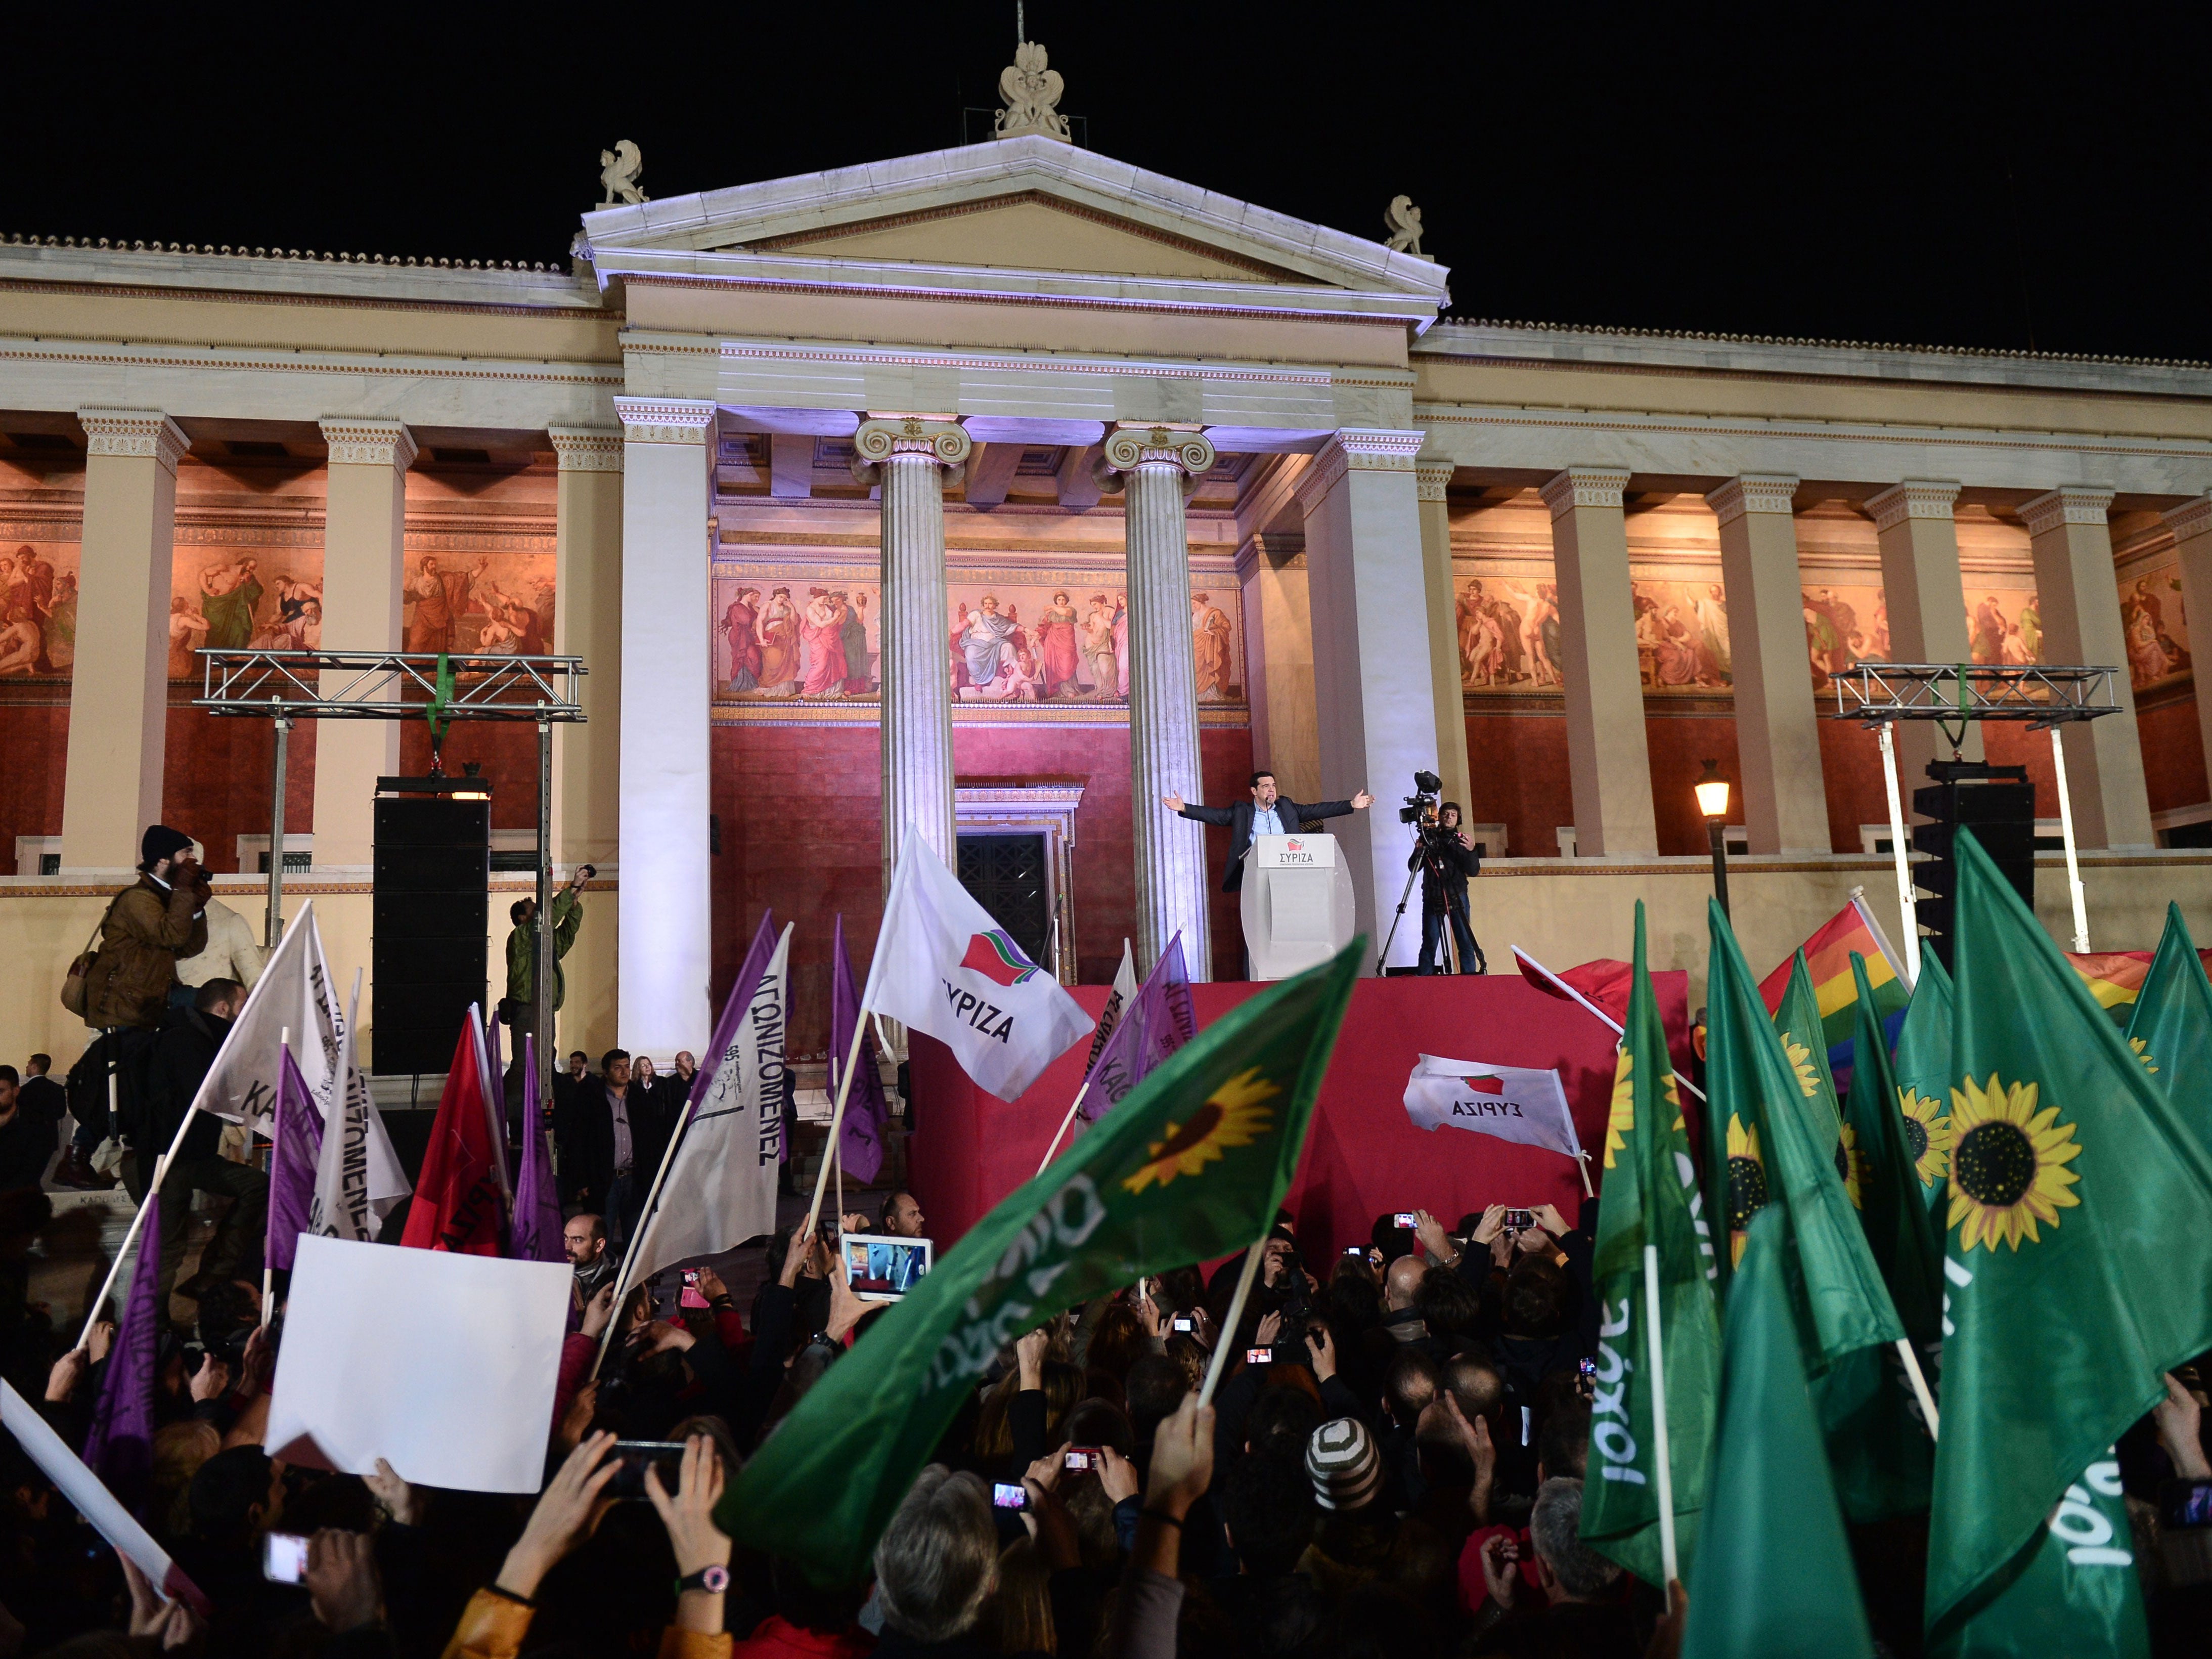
point(944, 966)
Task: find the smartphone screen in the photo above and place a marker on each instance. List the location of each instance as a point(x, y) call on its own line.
point(2186, 1505)
point(1009, 1495)
point(1079, 1458)
point(633, 1457)
point(1355, 1250)
point(283, 1558)
point(1520, 1220)
point(1183, 1322)
point(1259, 1356)
point(1405, 1218)
point(692, 1297)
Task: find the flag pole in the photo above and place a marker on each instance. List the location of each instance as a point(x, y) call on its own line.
point(1076, 1106)
point(1665, 1469)
point(645, 1219)
point(2066, 825)
point(1228, 1331)
point(1908, 910)
point(275, 1129)
point(837, 1116)
point(1593, 1008)
point(1919, 1382)
point(137, 1221)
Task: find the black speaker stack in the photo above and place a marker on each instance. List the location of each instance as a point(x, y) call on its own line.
point(1997, 803)
point(430, 916)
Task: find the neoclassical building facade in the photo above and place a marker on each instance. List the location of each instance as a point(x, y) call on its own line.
point(1002, 490)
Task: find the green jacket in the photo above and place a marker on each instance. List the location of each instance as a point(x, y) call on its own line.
point(522, 950)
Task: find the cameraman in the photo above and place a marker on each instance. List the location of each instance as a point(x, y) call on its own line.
point(1446, 858)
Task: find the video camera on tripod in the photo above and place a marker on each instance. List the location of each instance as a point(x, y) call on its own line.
point(1435, 841)
point(1420, 807)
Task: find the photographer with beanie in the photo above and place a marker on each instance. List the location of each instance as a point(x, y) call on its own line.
point(148, 926)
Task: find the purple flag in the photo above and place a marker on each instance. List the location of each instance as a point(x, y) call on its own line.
point(860, 1142)
point(1159, 1021)
point(538, 1227)
point(296, 1150)
point(119, 1449)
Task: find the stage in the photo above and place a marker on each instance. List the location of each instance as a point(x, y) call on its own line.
point(1363, 1157)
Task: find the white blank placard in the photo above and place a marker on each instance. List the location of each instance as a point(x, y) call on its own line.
point(442, 1364)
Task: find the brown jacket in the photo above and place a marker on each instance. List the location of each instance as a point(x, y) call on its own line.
point(145, 932)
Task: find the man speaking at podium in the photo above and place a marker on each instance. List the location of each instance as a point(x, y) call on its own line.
point(1268, 813)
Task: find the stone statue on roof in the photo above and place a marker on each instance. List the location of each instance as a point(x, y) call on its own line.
point(618, 171)
point(1031, 91)
point(1404, 219)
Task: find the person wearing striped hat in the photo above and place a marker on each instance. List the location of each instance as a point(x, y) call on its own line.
point(1343, 1466)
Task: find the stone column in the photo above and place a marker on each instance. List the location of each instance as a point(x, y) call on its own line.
point(1373, 688)
point(2078, 596)
point(1278, 668)
point(2192, 524)
point(1430, 479)
point(664, 950)
point(1159, 465)
point(1926, 596)
point(119, 692)
point(364, 575)
point(587, 611)
point(908, 456)
point(1777, 733)
point(1608, 760)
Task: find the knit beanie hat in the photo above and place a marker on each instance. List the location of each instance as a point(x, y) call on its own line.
point(159, 842)
point(1341, 1460)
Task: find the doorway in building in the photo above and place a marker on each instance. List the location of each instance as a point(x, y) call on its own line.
point(1006, 875)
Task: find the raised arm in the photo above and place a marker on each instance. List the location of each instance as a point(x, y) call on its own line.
point(1176, 804)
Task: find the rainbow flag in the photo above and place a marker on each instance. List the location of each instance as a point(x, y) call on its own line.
point(2114, 977)
point(1828, 957)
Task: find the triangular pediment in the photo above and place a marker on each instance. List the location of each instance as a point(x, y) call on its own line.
point(1016, 204)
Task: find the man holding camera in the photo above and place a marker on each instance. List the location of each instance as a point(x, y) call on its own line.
point(519, 1009)
point(1446, 858)
point(1269, 812)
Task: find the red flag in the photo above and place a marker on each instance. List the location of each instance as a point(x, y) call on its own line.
point(458, 1202)
point(1603, 986)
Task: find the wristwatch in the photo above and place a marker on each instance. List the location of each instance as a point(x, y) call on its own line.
point(712, 1579)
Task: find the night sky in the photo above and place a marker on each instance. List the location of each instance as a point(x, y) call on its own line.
point(2007, 177)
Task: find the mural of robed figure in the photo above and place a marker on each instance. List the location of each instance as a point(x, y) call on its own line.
point(1268, 812)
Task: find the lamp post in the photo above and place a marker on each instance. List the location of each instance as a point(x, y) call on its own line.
point(1713, 802)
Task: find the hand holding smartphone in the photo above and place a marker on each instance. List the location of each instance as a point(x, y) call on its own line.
point(1010, 1495)
point(283, 1558)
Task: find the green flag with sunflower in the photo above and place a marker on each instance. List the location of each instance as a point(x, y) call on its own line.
point(1923, 1075)
point(2077, 1277)
point(1191, 1165)
point(1804, 1039)
point(1774, 1576)
point(1649, 1197)
point(2171, 1028)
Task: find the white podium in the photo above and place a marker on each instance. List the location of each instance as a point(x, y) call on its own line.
point(1298, 904)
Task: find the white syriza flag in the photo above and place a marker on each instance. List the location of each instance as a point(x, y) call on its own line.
point(1512, 1102)
point(943, 966)
point(340, 1206)
point(720, 1186)
point(295, 993)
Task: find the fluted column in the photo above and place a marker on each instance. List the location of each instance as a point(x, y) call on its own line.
point(118, 694)
point(2079, 599)
point(1918, 525)
point(1778, 725)
point(1430, 481)
point(908, 456)
point(1158, 464)
point(587, 612)
point(2192, 524)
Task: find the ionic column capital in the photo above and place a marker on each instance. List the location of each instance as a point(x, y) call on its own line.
point(665, 420)
point(882, 436)
point(2087, 504)
point(1431, 479)
point(1915, 498)
point(138, 432)
point(587, 448)
point(1754, 492)
point(369, 443)
point(2191, 519)
point(1133, 444)
point(1584, 486)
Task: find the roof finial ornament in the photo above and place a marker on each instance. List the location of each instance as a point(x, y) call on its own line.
point(1404, 219)
point(618, 171)
point(1031, 91)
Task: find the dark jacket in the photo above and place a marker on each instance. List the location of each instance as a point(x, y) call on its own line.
point(27, 1146)
point(146, 929)
point(1449, 871)
point(44, 1098)
point(183, 1054)
point(1238, 817)
point(586, 1142)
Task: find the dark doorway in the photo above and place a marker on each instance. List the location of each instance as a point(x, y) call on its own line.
point(1005, 874)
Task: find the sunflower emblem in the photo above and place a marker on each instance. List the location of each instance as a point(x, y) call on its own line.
point(1928, 1134)
point(1620, 1122)
point(1746, 1182)
point(1232, 1116)
point(2142, 1047)
point(1800, 1061)
point(2007, 1163)
point(1850, 1163)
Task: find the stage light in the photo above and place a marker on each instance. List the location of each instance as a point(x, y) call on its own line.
point(1712, 793)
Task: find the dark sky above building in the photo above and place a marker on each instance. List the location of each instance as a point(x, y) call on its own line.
point(2002, 177)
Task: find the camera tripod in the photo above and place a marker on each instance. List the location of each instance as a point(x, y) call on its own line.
point(1455, 903)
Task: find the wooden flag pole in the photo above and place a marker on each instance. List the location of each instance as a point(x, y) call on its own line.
point(837, 1116)
point(1665, 1468)
point(137, 1222)
point(1227, 1333)
point(1919, 1382)
point(276, 1128)
point(645, 1218)
point(1065, 1123)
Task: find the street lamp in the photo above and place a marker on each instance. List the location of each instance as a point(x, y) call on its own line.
point(1713, 802)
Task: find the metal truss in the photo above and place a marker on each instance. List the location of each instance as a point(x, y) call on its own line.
point(1876, 693)
point(385, 685)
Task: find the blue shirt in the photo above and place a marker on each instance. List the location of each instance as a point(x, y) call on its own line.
point(1265, 821)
